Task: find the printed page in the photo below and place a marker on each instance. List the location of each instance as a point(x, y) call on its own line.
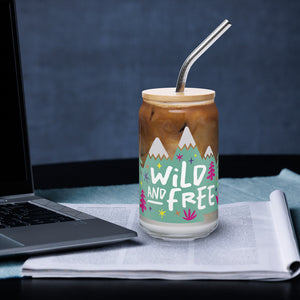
point(244, 246)
point(285, 232)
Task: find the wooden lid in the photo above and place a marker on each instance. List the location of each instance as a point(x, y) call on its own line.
point(170, 95)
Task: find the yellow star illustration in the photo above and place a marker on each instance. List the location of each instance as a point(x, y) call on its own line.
point(195, 155)
point(159, 165)
point(161, 213)
point(177, 213)
point(141, 183)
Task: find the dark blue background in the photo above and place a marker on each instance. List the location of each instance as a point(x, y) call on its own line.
point(85, 64)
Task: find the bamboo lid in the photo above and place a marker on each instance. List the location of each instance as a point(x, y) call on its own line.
point(170, 95)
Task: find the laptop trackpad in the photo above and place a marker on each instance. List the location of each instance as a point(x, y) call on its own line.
point(6, 242)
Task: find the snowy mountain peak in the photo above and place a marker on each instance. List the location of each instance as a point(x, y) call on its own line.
point(208, 152)
point(157, 149)
point(186, 139)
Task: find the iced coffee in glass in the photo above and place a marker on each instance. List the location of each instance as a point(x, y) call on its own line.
point(178, 163)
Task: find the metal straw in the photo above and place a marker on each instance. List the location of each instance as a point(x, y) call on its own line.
point(217, 33)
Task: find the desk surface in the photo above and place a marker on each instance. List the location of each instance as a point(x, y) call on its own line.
point(92, 173)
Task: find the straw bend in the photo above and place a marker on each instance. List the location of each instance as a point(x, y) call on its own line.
point(198, 51)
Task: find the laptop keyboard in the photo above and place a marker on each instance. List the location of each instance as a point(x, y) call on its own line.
point(26, 214)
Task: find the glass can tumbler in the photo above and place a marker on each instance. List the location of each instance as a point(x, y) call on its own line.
point(178, 163)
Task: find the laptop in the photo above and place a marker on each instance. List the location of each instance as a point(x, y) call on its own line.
point(30, 224)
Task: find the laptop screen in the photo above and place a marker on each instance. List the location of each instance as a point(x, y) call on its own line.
point(15, 170)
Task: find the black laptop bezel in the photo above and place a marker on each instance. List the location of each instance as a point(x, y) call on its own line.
point(24, 186)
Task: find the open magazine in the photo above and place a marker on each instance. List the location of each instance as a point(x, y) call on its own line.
point(254, 240)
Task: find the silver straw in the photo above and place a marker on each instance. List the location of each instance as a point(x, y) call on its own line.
point(185, 68)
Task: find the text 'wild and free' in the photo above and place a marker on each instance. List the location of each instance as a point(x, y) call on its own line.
point(179, 184)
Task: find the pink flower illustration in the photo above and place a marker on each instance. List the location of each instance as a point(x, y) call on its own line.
point(189, 216)
point(179, 157)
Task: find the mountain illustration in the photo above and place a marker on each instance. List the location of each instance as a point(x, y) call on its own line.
point(208, 152)
point(187, 139)
point(157, 149)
